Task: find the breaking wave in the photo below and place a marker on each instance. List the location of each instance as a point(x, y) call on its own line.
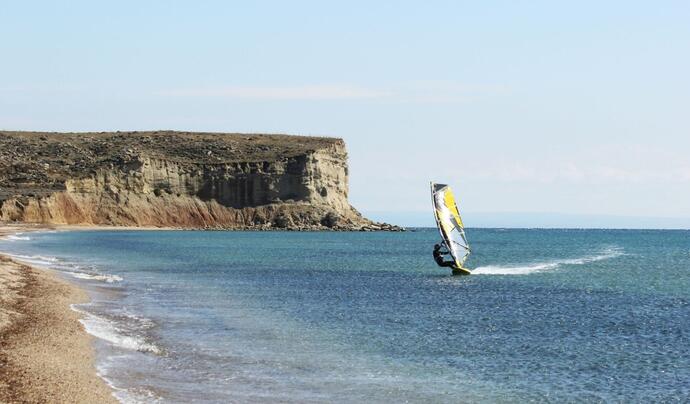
point(547, 265)
point(39, 260)
point(76, 271)
point(116, 334)
point(97, 277)
point(17, 237)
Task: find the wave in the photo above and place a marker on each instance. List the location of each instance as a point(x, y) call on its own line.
point(136, 396)
point(546, 266)
point(39, 260)
point(17, 237)
point(65, 267)
point(110, 331)
point(97, 277)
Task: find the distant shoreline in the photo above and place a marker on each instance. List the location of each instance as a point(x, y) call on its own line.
point(45, 350)
point(22, 227)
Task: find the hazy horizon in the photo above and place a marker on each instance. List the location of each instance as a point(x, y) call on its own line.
point(521, 107)
point(543, 220)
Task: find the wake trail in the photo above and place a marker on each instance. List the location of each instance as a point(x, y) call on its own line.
point(546, 266)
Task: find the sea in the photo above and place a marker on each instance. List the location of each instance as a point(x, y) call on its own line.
point(367, 317)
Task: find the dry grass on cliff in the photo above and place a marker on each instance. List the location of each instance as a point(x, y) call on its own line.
point(196, 146)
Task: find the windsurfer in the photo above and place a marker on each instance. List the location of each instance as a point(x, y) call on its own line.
point(438, 257)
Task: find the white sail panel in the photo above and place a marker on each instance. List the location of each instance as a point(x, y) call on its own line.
point(450, 223)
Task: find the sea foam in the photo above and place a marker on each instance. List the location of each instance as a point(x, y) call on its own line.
point(547, 265)
point(39, 260)
point(97, 277)
point(17, 237)
point(110, 331)
point(72, 269)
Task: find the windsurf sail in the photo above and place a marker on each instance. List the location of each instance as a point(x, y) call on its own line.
point(449, 223)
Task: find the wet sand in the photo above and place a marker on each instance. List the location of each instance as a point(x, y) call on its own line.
point(45, 353)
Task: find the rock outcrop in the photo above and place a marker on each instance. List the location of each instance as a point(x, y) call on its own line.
point(177, 179)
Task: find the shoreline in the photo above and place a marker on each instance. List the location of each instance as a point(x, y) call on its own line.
point(21, 227)
point(45, 352)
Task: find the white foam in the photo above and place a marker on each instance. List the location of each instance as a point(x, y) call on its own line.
point(17, 237)
point(97, 277)
point(138, 396)
point(72, 269)
point(513, 270)
point(109, 331)
point(39, 260)
point(142, 321)
point(125, 396)
point(545, 266)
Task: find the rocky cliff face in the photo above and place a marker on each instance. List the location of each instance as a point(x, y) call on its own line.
point(177, 179)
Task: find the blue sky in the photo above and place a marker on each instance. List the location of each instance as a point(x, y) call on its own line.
point(526, 108)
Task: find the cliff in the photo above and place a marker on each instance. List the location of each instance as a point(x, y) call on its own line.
point(177, 179)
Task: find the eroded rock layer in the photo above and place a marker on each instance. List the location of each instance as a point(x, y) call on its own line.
point(177, 179)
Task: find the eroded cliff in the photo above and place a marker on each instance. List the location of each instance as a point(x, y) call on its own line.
point(177, 179)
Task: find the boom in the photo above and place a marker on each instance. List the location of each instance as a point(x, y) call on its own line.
point(449, 223)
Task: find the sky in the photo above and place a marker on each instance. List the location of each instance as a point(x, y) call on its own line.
point(569, 112)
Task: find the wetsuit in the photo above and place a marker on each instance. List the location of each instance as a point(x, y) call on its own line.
point(438, 257)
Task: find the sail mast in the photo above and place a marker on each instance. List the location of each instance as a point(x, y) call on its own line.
point(449, 223)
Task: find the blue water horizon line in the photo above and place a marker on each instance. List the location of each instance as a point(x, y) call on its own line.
point(426, 228)
point(536, 220)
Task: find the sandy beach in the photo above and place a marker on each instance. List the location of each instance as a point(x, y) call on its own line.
point(45, 353)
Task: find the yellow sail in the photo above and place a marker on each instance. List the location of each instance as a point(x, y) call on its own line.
point(450, 223)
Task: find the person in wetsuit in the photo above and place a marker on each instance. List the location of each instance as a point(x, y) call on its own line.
point(438, 257)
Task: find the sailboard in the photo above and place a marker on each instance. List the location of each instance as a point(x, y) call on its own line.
point(450, 226)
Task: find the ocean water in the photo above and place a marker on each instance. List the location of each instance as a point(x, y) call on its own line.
point(548, 316)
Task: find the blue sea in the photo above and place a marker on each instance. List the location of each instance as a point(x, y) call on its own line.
point(309, 317)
